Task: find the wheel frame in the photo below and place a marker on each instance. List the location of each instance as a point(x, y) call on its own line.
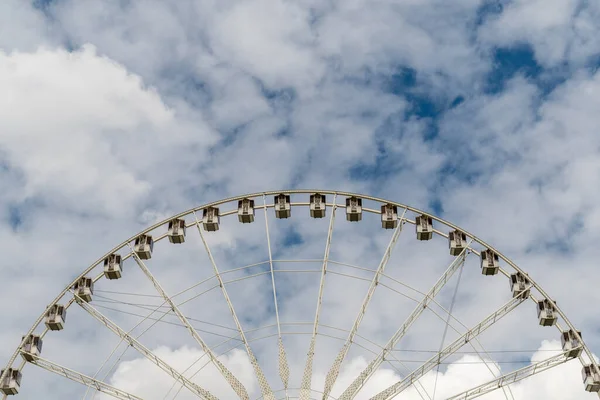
point(335, 193)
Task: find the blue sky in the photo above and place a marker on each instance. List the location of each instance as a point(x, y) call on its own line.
point(115, 115)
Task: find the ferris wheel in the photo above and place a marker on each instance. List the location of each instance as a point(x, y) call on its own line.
point(297, 294)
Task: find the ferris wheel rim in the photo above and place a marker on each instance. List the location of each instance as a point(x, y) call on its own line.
point(263, 194)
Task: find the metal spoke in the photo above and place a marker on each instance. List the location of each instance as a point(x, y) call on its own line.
point(449, 314)
point(235, 384)
point(152, 310)
point(512, 377)
point(81, 378)
point(266, 390)
point(284, 369)
point(447, 324)
point(398, 387)
point(202, 393)
point(335, 368)
point(305, 385)
point(364, 376)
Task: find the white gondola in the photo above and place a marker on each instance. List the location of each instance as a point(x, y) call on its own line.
point(591, 378)
point(546, 312)
point(246, 211)
point(283, 206)
point(84, 289)
point(32, 347)
point(176, 231)
point(571, 344)
point(210, 219)
point(457, 242)
point(113, 268)
point(389, 216)
point(520, 285)
point(353, 209)
point(424, 227)
point(56, 317)
point(143, 246)
point(489, 262)
point(317, 205)
point(12, 382)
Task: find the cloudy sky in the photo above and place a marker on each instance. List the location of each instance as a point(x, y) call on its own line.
point(117, 114)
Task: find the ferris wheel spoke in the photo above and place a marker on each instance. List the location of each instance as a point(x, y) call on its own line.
point(366, 374)
point(398, 387)
point(512, 377)
point(489, 364)
point(284, 369)
point(235, 384)
point(305, 385)
point(202, 393)
point(335, 368)
point(265, 388)
point(82, 378)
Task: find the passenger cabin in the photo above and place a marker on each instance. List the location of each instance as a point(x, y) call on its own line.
point(283, 206)
point(176, 231)
point(113, 268)
point(210, 219)
point(546, 312)
point(520, 285)
point(32, 347)
point(84, 288)
point(457, 241)
point(571, 344)
point(143, 246)
point(246, 211)
point(424, 227)
point(591, 378)
point(389, 216)
point(489, 262)
point(56, 316)
point(12, 381)
point(353, 209)
point(318, 205)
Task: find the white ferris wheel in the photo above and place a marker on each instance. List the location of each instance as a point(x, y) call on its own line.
point(320, 294)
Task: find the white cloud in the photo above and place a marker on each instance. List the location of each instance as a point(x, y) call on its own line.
point(63, 115)
point(24, 27)
point(270, 39)
point(558, 30)
point(79, 125)
point(144, 379)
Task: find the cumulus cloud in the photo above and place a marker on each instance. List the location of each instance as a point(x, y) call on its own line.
point(63, 115)
point(143, 378)
point(558, 30)
point(76, 124)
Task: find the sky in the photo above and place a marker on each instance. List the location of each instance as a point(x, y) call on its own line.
point(115, 115)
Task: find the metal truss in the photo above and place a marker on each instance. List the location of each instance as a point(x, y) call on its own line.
point(335, 368)
point(83, 379)
point(235, 384)
point(305, 385)
point(364, 376)
point(266, 390)
point(398, 387)
point(512, 377)
point(202, 393)
point(284, 369)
